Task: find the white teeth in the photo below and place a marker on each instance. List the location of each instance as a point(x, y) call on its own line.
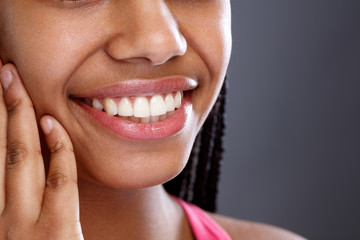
point(125, 107)
point(110, 106)
point(170, 103)
point(141, 107)
point(145, 120)
point(134, 119)
point(157, 106)
point(162, 117)
point(155, 118)
point(96, 104)
point(178, 99)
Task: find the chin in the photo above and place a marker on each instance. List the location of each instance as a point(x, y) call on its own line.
point(138, 168)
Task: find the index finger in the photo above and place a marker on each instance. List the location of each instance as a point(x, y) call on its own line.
point(25, 173)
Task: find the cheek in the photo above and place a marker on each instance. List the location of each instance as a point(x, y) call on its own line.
point(45, 51)
point(217, 47)
point(212, 41)
point(208, 32)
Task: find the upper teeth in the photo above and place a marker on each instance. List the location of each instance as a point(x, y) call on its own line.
point(142, 107)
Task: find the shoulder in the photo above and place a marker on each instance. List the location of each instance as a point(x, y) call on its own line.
point(239, 229)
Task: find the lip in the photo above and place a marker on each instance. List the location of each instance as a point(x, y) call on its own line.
point(141, 87)
point(142, 131)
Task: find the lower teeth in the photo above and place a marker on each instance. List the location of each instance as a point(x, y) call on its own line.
point(151, 119)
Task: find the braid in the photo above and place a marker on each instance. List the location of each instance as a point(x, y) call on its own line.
point(200, 197)
point(216, 156)
point(198, 182)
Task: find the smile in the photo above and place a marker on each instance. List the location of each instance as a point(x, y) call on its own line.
point(141, 110)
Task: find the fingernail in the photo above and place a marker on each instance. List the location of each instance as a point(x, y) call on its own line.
point(6, 79)
point(47, 125)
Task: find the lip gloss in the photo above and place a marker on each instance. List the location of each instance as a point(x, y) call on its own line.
point(141, 87)
point(143, 131)
point(132, 88)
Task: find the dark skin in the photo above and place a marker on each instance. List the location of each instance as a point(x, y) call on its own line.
point(100, 185)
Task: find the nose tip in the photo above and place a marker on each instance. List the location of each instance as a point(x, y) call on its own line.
point(153, 34)
point(160, 47)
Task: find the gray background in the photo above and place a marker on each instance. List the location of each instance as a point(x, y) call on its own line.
point(293, 136)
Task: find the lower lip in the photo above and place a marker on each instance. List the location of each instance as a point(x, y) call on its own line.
point(143, 131)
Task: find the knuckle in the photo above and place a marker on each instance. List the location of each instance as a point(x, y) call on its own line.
point(16, 153)
point(16, 105)
point(58, 179)
point(61, 147)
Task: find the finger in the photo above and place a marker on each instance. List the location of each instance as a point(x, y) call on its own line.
point(3, 130)
point(25, 175)
point(61, 199)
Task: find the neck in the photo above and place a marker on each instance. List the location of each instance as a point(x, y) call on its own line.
point(150, 213)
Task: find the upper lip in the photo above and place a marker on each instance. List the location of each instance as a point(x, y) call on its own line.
point(141, 87)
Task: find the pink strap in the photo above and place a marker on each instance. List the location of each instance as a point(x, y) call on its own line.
point(203, 227)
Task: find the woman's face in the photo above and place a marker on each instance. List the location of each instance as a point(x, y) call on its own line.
point(70, 52)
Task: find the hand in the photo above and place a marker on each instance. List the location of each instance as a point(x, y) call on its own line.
point(31, 206)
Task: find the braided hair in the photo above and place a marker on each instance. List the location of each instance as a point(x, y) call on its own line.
point(198, 182)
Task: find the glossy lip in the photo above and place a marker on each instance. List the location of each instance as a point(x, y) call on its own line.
point(141, 87)
point(142, 131)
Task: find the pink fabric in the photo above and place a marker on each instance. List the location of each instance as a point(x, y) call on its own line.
point(203, 227)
